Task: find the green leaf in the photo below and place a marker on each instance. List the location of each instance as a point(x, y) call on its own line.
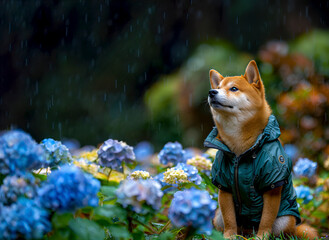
point(109, 191)
point(85, 229)
point(61, 220)
point(157, 225)
point(166, 187)
point(215, 235)
point(40, 176)
point(61, 234)
point(207, 180)
point(138, 233)
point(319, 214)
point(109, 212)
point(119, 232)
point(166, 236)
point(1, 178)
point(188, 185)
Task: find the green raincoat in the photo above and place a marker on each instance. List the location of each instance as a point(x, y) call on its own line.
point(263, 167)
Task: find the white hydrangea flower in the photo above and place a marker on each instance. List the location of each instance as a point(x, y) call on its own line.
point(173, 176)
point(201, 163)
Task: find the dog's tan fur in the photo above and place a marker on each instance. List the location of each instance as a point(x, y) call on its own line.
point(238, 127)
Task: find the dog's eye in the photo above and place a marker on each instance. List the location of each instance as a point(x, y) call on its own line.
point(234, 89)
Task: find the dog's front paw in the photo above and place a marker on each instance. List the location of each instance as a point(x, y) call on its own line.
point(230, 234)
point(263, 235)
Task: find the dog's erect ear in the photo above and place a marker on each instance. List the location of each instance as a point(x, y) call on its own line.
point(252, 74)
point(215, 78)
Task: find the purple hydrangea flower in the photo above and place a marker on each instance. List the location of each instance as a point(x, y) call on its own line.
point(24, 220)
point(113, 154)
point(305, 167)
point(192, 172)
point(193, 208)
point(56, 152)
point(140, 195)
point(16, 186)
point(304, 192)
point(19, 153)
point(143, 151)
point(172, 153)
point(68, 189)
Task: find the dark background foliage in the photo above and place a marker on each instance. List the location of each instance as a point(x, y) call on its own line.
point(80, 69)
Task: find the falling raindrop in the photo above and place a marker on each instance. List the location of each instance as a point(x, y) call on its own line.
point(60, 130)
point(306, 11)
point(36, 90)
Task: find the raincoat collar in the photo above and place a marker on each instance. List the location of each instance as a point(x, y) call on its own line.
point(270, 133)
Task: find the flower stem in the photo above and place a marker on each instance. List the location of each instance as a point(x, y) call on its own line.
point(108, 176)
point(91, 214)
point(164, 227)
point(146, 226)
point(130, 224)
point(187, 234)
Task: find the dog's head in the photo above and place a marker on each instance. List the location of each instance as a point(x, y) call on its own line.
point(238, 94)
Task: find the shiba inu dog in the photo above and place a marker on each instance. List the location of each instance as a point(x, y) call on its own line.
point(251, 169)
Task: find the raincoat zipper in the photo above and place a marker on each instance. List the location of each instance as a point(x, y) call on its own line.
point(236, 174)
point(236, 180)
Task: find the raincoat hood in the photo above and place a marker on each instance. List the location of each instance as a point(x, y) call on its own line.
point(270, 133)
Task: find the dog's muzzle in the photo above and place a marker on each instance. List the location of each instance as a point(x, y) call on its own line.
point(212, 93)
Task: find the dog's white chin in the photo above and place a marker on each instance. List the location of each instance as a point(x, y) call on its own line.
point(219, 108)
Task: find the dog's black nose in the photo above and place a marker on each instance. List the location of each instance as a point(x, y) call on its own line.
point(212, 93)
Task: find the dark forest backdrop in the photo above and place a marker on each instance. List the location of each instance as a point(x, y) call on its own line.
point(86, 69)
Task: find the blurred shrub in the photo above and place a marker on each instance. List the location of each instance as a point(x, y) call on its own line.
point(301, 91)
point(182, 96)
point(314, 45)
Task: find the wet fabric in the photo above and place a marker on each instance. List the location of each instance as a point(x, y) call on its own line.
point(263, 167)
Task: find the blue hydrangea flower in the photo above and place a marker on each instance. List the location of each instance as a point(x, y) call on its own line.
point(19, 153)
point(140, 195)
point(56, 152)
point(193, 208)
point(291, 150)
point(305, 168)
point(143, 151)
point(113, 153)
point(192, 172)
point(68, 189)
point(172, 153)
point(304, 192)
point(189, 153)
point(24, 220)
point(16, 186)
point(159, 179)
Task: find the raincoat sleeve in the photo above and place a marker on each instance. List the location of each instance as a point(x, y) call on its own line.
point(274, 172)
point(217, 173)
